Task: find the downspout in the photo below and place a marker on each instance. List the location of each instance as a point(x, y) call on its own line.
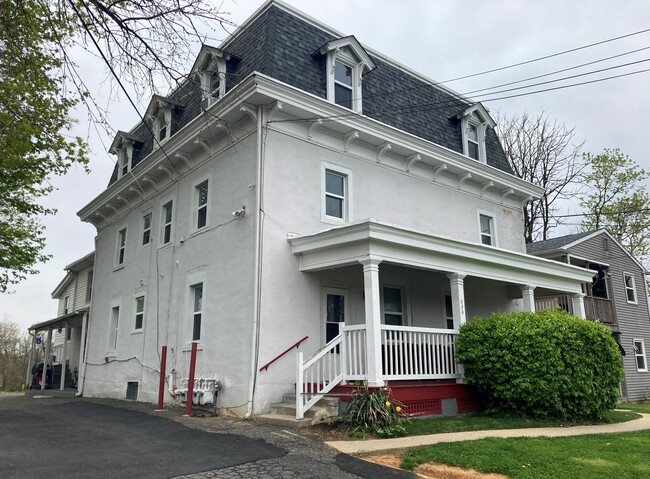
point(258, 267)
point(85, 332)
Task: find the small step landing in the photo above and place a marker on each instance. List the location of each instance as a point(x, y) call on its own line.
point(284, 413)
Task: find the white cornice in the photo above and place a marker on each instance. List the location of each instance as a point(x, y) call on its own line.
point(414, 248)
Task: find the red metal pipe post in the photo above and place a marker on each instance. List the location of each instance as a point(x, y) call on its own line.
point(161, 385)
point(190, 381)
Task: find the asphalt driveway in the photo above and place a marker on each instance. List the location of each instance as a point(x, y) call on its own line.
point(72, 438)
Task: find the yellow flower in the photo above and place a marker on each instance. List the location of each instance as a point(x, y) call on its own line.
point(398, 409)
point(387, 403)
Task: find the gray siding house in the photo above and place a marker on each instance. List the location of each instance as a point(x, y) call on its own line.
point(617, 297)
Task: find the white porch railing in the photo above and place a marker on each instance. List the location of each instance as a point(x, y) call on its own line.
point(407, 353)
point(418, 353)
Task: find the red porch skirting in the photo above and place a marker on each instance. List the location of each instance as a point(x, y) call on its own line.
point(425, 398)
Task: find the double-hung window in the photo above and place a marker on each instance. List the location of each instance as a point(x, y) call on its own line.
point(487, 230)
point(197, 310)
point(202, 205)
point(630, 288)
point(393, 306)
point(639, 353)
point(121, 247)
point(146, 229)
point(336, 194)
point(472, 141)
point(167, 211)
point(66, 305)
point(113, 328)
point(449, 312)
point(343, 91)
point(139, 313)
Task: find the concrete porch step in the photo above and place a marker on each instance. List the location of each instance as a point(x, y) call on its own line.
point(284, 413)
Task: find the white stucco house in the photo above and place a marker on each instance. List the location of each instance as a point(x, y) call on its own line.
point(300, 187)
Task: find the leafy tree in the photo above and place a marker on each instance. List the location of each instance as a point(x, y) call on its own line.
point(543, 152)
point(14, 349)
point(40, 86)
point(617, 200)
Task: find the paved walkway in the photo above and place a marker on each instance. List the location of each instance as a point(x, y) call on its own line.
point(357, 447)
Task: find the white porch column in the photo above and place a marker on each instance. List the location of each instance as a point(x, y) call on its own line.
point(65, 355)
point(457, 298)
point(82, 354)
point(578, 303)
point(373, 319)
point(528, 295)
point(46, 358)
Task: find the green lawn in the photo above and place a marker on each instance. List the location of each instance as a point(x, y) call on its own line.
point(480, 422)
point(643, 407)
point(601, 456)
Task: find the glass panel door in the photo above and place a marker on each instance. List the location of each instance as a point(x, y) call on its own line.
point(335, 307)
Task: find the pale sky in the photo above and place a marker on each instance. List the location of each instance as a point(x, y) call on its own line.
point(442, 39)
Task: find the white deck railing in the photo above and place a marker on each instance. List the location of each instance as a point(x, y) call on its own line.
point(407, 353)
point(418, 353)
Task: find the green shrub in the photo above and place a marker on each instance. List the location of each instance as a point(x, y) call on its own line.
point(372, 412)
point(546, 364)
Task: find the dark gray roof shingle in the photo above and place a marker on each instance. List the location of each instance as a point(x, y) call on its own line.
point(554, 243)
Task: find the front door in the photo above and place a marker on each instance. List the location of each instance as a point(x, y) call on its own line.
point(335, 307)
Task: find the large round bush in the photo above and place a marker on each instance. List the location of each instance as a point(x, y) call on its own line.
point(542, 364)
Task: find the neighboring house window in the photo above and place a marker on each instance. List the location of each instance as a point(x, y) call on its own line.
point(113, 328)
point(121, 246)
point(630, 287)
point(68, 333)
point(449, 312)
point(639, 353)
point(167, 222)
point(66, 305)
point(139, 313)
point(336, 198)
point(393, 306)
point(146, 229)
point(197, 310)
point(89, 287)
point(486, 229)
point(202, 205)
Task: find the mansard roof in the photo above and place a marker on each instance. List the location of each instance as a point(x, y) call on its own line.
point(278, 41)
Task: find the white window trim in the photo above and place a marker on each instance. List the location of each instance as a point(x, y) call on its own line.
point(117, 264)
point(124, 157)
point(347, 198)
point(493, 224)
point(625, 288)
point(344, 56)
point(643, 355)
point(166, 113)
point(194, 213)
point(163, 204)
point(481, 127)
point(151, 229)
point(192, 279)
point(218, 66)
point(135, 311)
point(113, 333)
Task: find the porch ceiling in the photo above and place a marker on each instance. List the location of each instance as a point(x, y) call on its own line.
point(346, 245)
point(71, 318)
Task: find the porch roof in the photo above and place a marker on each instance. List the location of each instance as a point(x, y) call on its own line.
point(346, 245)
point(58, 322)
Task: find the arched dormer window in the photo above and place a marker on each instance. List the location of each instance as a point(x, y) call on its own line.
point(346, 63)
point(474, 124)
point(210, 71)
point(122, 147)
point(159, 116)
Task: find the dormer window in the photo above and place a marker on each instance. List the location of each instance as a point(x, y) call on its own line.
point(474, 124)
point(161, 127)
point(159, 118)
point(123, 146)
point(210, 70)
point(346, 63)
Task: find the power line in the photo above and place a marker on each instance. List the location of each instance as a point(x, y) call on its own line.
point(546, 56)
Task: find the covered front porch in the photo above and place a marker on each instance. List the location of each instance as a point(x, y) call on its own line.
point(386, 346)
point(56, 355)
